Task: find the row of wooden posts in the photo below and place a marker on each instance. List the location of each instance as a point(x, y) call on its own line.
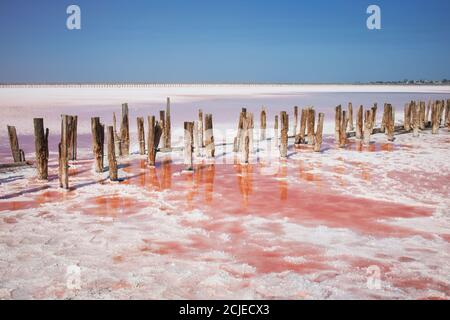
point(198, 135)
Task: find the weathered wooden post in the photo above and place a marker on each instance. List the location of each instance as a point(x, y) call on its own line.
point(435, 117)
point(197, 143)
point(245, 147)
point(162, 121)
point(118, 143)
point(250, 131)
point(201, 128)
point(300, 138)
point(389, 118)
point(188, 140)
point(447, 114)
point(237, 144)
point(284, 134)
point(64, 153)
point(318, 137)
point(384, 119)
point(351, 127)
point(113, 176)
point(141, 135)
point(343, 130)
point(209, 137)
point(427, 115)
point(441, 112)
point(168, 127)
point(275, 133)
point(153, 139)
point(295, 120)
point(17, 153)
point(415, 118)
point(374, 116)
point(263, 123)
point(337, 124)
point(359, 123)
point(368, 126)
point(73, 128)
point(98, 142)
point(125, 131)
point(407, 117)
point(311, 125)
point(41, 146)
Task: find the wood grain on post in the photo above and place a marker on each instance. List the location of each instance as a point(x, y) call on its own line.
point(374, 116)
point(168, 127)
point(447, 114)
point(337, 124)
point(188, 141)
point(300, 138)
point(415, 119)
point(383, 119)
point(250, 131)
point(141, 135)
point(368, 126)
point(112, 162)
point(41, 146)
point(197, 143)
point(263, 123)
point(359, 123)
point(351, 127)
point(118, 143)
point(427, 115)
point(318, 136)
point(435, 117)
point(284, 134)
point(125, 131)
point(162, 121)
point(311, 125)
point(153, 139)
point(245, 147)
point(210, 148)
point(64, 153)
point(422, 115)
point(17, 153)
point(389, 119)
point(98, 142)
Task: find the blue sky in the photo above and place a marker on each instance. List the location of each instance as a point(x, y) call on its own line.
point(282, 41)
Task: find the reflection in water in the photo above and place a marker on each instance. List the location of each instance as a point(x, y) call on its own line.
point(282, 174)
point(244, 175)
point(210, 172)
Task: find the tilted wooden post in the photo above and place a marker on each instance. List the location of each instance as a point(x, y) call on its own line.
point(201, 128)
point(284, 134)
point(73, 132)
point(188, 140)
point(389, 119)
point(275, 136)
point(368, 126)
point(112, 162)
point(153, 139)
point(125, 131)
point(295, 120)
point(168, 127)
point(237, 141)
point(318, 137)
point(209, 137)
point(141, 135)
point(263, 123)
point(337, 124)
point(98, 142)
point(343, 130)
point(351, 127)
point(64, 153)
point(359, 123)
point(17, 153)
point(41, 146)
point(311, 125)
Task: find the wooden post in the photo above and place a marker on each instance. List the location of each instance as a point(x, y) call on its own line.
point(407, 117)
point(368, 126)
point(17, 153)
point(250, 131)
point(441, 113)
point(125, 131)
point(311, 125)
point(351, 127)
point(112, 155)
point(318, 137)
point(343, 130)
point(374, 116)
point(98, 142)
point(284, 134)
point(64, 153)
point(359, 123)
point(389, 118)
point(237, 144)
point(295, 120)
point(153, 139)
point(209, 137)
point(384, 119)
point(245, 147)
point(201, 128)
point(162, 121)
point(275, 136)
point(427, 115)
point(447, 114)
point(197, 147)
point(188, 140)
point(415, 118)
point(435, 117)
point(300, 138)
point(141, 135)
point(41, 146)
point(337, 124)
point(263, 123)
point(118, 143)
point(73, 128)
point(168, 127)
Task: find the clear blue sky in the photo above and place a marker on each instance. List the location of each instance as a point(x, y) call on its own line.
point(223, 41)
